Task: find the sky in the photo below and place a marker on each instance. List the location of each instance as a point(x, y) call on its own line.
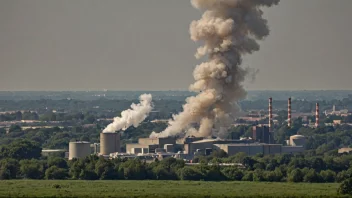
point(145, 45)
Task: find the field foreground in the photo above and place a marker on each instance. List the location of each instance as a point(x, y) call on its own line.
point(45, 188)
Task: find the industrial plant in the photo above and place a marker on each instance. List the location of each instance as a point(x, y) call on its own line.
point(261, 142)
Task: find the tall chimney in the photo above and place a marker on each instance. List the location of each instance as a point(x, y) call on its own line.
point(270, 114)
point(317, 115)
point(289, 113)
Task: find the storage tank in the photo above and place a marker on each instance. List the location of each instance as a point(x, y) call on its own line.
point(79, 150)
point(109, 143)
point(297, 140)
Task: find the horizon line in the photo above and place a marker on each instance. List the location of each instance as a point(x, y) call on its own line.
point(180, 90)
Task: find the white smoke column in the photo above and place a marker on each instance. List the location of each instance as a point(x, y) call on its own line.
point(229, 29)
point(133, 116)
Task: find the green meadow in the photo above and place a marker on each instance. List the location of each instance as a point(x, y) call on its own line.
point(144, 189)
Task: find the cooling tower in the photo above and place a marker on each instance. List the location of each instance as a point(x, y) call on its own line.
point(109, 143)
point(79, 150)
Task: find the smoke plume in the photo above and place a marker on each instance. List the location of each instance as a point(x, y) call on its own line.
point(133, 116)
point(229, 29)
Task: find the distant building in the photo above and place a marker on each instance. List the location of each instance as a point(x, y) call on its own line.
point(262, 134)
point(345, 150)
point(337, 122)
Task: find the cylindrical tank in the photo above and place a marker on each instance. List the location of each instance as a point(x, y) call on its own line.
point(109, 143)
point(79, 150)
point(297, 140)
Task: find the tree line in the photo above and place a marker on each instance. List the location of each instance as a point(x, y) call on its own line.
point(22, 160)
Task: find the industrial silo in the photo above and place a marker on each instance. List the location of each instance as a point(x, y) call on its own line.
point(109, 143)
point(297, 140)
point(79, 150)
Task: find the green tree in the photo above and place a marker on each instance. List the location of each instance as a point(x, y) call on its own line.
point(214, 174)
point(346, 187)
point(328, 176)
point(134, 170)
point(22, 149)
point(58, 162)
point(312, 177)
point(258, 175)
point(341, 176)
point(32, 169)
point(232, 173)
point(248, 176)
point(161, 173)
point(9, 169)
point(105, 169)
point(295, 175)
point(55, 172)
point(76, 165)
point(88, 175)
point(15, 128)
point(190, 173)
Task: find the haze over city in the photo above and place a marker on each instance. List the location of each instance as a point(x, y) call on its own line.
point(146, 45)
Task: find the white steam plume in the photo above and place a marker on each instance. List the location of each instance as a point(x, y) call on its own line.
point(229, 29)
point(133, 116)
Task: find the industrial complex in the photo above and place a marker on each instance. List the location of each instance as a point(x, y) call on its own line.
point(261, 142)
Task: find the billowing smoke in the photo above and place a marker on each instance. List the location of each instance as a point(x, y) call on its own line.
point(133, 116)
point(229, 29)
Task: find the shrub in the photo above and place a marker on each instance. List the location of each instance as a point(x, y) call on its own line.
point(346, 187)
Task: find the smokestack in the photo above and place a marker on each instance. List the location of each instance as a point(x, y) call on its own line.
point(270, 114)
point(317, 115)
point(289, 113)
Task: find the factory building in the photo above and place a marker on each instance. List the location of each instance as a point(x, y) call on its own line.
point(157, 141)
point(256, 148)
point(51, 152)
point(152, 144)
point(250, 149)
point(292, 149)
point(193, 146)
point(345, 150)
point(109, 143)
point(261, 143)
point(79, 150)
point(203, 145)
point(136, 148)
point(262, 134)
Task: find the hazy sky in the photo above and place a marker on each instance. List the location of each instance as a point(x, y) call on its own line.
point(145, 45)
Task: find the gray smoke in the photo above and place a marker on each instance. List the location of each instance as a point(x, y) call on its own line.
point(229, 29)
point(133, 116)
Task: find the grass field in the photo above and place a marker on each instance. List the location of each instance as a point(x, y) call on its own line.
point(44, 188)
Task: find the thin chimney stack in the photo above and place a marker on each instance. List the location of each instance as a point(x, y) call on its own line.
point(270, 114)
point(317, 115)
point(289, 124)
